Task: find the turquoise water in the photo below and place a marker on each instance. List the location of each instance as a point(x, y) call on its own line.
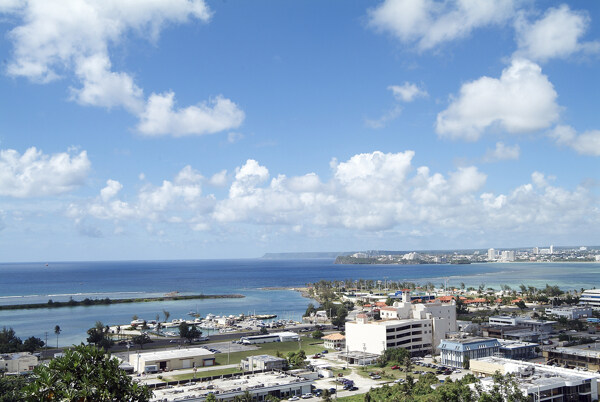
point(36, 282)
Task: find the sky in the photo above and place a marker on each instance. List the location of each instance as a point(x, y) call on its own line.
point(191, 129)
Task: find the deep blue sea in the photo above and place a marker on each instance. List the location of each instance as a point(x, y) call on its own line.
point(36, 283)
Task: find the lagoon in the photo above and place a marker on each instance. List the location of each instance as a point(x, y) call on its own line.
point(36, 283)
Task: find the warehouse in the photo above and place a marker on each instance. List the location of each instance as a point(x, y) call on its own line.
point(167, 360)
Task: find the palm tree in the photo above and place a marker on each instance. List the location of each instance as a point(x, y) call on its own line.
point(57, 331)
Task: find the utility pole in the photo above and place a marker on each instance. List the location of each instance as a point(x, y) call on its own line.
point(46, 333)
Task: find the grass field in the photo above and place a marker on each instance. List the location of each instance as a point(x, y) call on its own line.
point(309, 345)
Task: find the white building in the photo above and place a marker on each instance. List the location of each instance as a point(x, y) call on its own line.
point(535, 325)
point(591, 298)
point(175, 359)
point(419, 328)
point(540, 382)
point(508, 255)
point(570, 312)
point(491, 254)
point(334, 341)
point(18, 362)
point(287, 336)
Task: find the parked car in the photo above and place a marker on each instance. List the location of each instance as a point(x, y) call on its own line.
point(395, 367)
point(294, 398)
point(307, 396)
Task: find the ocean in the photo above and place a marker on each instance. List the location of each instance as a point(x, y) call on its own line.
point(38, 282)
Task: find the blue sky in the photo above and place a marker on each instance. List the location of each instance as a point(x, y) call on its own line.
point(217, 129)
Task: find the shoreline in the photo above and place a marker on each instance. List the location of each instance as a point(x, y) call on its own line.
point(107, 301)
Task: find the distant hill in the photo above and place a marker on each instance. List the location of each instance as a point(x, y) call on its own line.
point(301, 255)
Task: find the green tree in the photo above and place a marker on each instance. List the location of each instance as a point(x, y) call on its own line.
point(57, 331)
point(32, 344)
point(310, 310)
point(211, 398)
point(9, 342)
point(297, 359)
point(10, 388)
point(189, 331)
point(84, 373)
point(263, 331)
point(167, 315)
point(141, 340)
point(318, 334)
point(466, 362)
point(521, 304)
point(98, 335)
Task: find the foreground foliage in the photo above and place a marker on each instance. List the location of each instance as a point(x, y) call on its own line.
point(84, 373)
point(429, 389)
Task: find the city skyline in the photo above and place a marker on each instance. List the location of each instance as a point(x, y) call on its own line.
point(204, 129)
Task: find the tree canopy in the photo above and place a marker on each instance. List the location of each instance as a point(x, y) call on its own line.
point(84, 373)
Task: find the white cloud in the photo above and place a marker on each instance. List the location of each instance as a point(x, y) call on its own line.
point(521, 100)
point(75, 38)
point(556, 35)
point(159, 117)
point(371, 192)
point(219, 179)
point(164, 203)
point(111, 190)
point(35, 174)
point(467, 180)
point(587, 143)
point(502, 152)
point(428, 23)
point(407, 92)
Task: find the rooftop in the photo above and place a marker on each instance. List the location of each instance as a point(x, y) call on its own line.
point(530, 376)
point(236, 385)
point(578, 352)
point(265, 358)
point(175, 354)
point(334, 337)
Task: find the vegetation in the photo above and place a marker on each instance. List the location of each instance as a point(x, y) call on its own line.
point(84, 373)
point(94, 302)
point(189, 331)
point(318, 334)
point(11, 343)
point(141, 340)
point(297, 359)
point(99, 336)
point(10, 388)
point(504, 389)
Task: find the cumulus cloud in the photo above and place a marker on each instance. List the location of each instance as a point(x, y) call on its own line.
point(502, 152)
point(369, 192)
point(587, 143)
point(35, 174)
point(76, 37)
point(557, 34)
point(428, 23)
point(407, 92)
point(521, 100)
point(219, 179)
point(162, 203)
point(160, 118)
